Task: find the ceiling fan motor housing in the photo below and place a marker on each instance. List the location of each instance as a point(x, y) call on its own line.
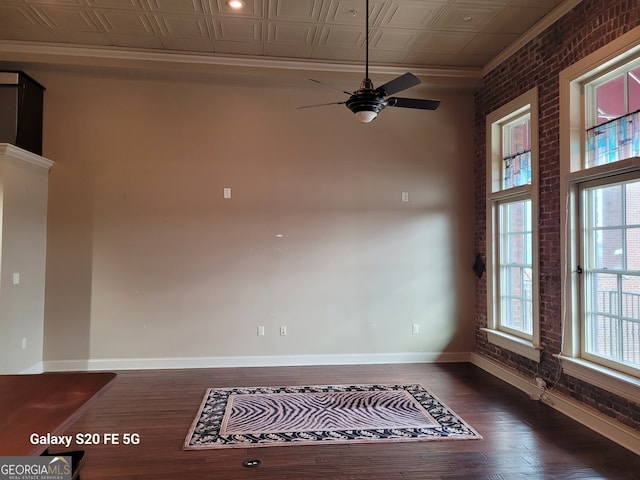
point(366, 99)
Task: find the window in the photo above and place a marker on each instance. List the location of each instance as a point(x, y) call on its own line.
point(516, 279)
point(611, 273)
point(600, 146)
point(613, 117)
point(512, 271)
point(516, 164)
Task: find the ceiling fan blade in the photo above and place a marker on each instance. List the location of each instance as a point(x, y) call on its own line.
point(413, 103)
point(329, 86)
point(398, 84)
point(322, 105)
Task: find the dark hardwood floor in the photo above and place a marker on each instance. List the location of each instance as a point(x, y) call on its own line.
point(522, 438)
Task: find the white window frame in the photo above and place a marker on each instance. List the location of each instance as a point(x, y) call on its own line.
point(583, 262)
point(527, 103)
point(573, 118)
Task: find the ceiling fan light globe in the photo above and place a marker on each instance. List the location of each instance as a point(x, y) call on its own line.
point(366, 116)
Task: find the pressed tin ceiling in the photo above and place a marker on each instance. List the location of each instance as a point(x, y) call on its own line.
point(436, 34)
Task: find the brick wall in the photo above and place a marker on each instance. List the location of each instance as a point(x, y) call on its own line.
point(588, 27)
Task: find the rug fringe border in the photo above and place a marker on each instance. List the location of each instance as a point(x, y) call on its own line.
point(213, 446)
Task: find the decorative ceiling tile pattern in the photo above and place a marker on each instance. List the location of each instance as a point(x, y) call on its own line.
point(429, 33)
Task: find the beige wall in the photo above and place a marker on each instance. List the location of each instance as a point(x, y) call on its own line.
point(23, 214)
point(146, 259)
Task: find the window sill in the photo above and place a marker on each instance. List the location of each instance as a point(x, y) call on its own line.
point(618, 383)
point(514, 344)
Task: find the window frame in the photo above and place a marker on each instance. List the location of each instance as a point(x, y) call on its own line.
point(503, 293)
point(612, 180)
point(514, 341)
point(574, 113)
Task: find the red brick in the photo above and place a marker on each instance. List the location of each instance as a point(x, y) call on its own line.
point(587, 27)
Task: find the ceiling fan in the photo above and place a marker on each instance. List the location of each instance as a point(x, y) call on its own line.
point(367, 101)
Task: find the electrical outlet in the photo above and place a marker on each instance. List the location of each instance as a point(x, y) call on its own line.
point(283, 330)
point(24, 343)
point(261, 330)
point(415, 328)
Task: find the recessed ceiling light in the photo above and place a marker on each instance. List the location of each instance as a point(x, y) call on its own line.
point(235, 4)
point(468, 18)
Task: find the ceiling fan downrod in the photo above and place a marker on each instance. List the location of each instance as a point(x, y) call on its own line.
point(365, 103)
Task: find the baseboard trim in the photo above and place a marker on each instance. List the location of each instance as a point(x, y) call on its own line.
point(589, 417)
point(251, 361)
point(33, 369)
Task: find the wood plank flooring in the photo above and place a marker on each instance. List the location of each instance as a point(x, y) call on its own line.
point(522, 438)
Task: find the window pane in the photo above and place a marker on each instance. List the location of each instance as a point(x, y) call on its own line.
point(613, 141)
point(631, 297)
point(602, 325)
point(613, 321)
point(630, 321)
point(615, 135)
point(517, 136)
point(517, 216)
point(612, 273)
point(607, 206)
point(516, 299)
point(632, 197)
point(516, 279)
point(516, 152)
point(517, 170)
point(607, 249)
point(603, 293)
point(602, 335)
point(633, 249)
point(634, 89)
point(610, 100)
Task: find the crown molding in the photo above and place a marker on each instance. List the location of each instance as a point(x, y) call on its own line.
point(45, 53)
point(551, 18)
point(11, 151)
point(48, 53)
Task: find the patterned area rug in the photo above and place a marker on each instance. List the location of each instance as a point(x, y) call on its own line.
point(278, 416)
